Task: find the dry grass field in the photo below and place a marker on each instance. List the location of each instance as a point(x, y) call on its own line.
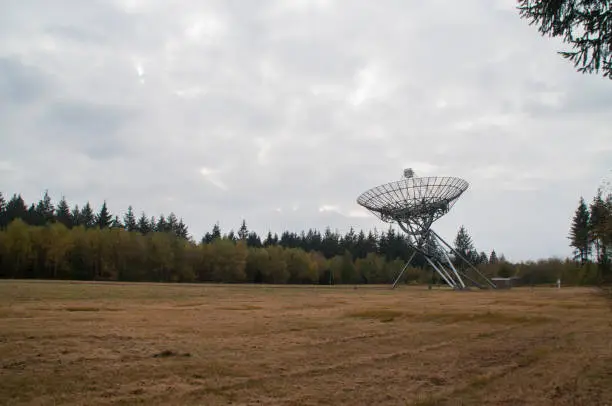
point(124, 344)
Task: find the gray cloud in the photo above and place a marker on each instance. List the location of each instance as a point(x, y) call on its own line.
point(232, 109)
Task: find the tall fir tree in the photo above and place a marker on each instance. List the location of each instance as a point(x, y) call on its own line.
point(269, 240)
point(243, 231)
point(129, 220)
point(162, 225)
point(3, 222)
point(483, 259)
point(172, 223)
point(75, 216)
point(88, 218)
point(16, 209)
point(579, 235)
point(62, 213)
point(143, 226)
point(598, 219)
point(253, 240)
point(104, 218)
point(181, 230)
point(116, 223)
point(464, 245)
point(216, 232)
point(493, 258)
point(44, 209)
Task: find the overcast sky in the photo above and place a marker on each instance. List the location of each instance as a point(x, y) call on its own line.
point(283, 112)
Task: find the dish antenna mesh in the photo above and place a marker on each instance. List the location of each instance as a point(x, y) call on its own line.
point(414, 203)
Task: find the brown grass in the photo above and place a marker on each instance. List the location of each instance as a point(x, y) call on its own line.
point(154, 344)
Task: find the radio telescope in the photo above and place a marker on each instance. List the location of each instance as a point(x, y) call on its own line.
point(414, 203)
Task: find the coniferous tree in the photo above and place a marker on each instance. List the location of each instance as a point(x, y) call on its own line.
point(216, 232)
point(361, 249)
point(172, 223)
point(34, 217)
point(181, 230)
point(88, 218)
point(62, 213)
point(253, 240)
point(231, 236)
point(143, 225)
point(75, 216)
point(16, 209)
point(243, 231)
point(349, 241)
point(579, 233)
point(104, 218)
point(330, 244)
point(583, 24)
point(3, 217)
point(269, 240)
point(598, 220)
point(493, 258)
point(464, 245)
point(116, 223)
point(153, 223)
point(45, 209)
point(129, 220)
point(162, 225)
point(483, 259)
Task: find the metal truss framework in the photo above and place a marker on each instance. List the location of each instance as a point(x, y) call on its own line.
point(414, 204)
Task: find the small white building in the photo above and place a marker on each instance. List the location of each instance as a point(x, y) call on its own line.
point(505, 283)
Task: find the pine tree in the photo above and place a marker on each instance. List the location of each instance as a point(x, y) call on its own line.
point(143, 226)
point(15, 209)
point(464, 245)
point(583, 24)
point(172, 223)
point(243, 231)
point(493, 258)
point(162, 225)
point(253, 240)
point(104, 218)
point(269, 240)
point(483, 258)
point(129, 220)
point(216, 232)
point(598, 219)
point(3, 219)
point(45, 209)
point(116, 223)
point(181, 230)
point(88, 219)
point(62, 213)
point(75, 216)
point(33, 217)
point(579, 233)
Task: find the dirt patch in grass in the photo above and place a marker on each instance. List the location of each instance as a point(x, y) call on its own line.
point(388, 315)
point(90, 309)
point(240, 307)
point(383, 315)
point(171, 353)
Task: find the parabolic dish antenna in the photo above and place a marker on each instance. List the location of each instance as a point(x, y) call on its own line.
point(414, 203)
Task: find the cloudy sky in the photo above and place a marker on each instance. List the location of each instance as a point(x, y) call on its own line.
point(283, 112)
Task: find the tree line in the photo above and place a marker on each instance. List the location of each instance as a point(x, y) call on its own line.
point(47, 240)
